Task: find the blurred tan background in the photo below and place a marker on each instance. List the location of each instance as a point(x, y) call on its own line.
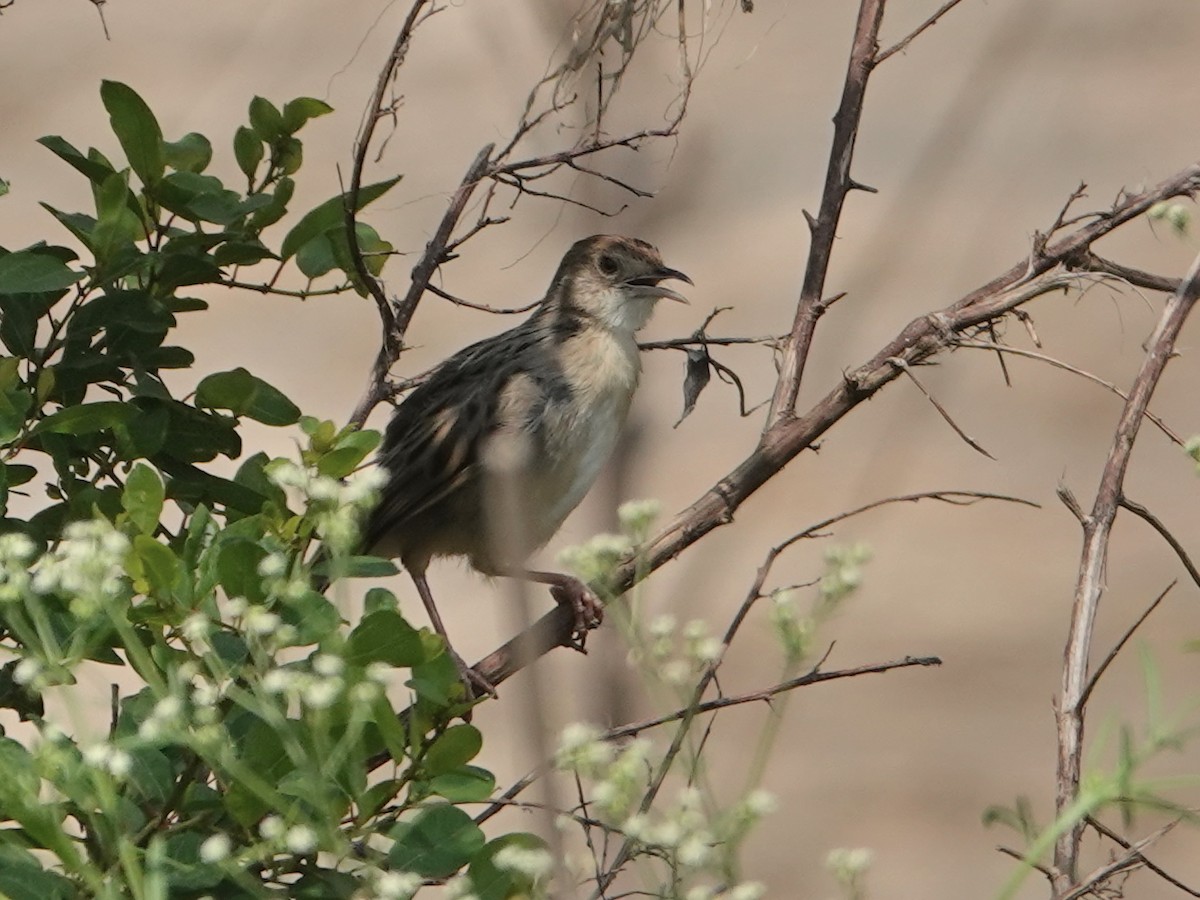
point(975, 136)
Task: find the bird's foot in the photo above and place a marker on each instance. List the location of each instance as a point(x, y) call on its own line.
point(584, 605)
point(474, 683)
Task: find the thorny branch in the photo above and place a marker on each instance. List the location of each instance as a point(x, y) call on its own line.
point(1097, 528)
point(923, 338)
point(823, 229)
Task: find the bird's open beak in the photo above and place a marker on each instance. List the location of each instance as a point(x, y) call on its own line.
point(650, 283)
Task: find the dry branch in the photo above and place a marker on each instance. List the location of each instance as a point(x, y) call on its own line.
point(1089, 585)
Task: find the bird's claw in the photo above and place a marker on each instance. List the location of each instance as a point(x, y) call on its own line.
point(473, 682)
point(585, 606)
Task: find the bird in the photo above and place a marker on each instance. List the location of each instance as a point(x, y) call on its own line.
point(556, 391)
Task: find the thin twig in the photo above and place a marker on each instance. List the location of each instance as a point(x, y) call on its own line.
point(915, 33)
point(814, 676)
point(1154, 522)
point(1132, 858)
point(1097, 528)
point(1112, 654)
point(1157, 870)
point(976, 344)
point(970, 441)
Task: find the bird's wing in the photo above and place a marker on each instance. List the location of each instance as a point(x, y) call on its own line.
point(431, 447)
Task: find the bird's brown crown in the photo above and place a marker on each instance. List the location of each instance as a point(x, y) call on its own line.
point(613, 279)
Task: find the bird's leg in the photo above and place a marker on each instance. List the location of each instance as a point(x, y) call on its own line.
point(571, 592)
point(470, 678)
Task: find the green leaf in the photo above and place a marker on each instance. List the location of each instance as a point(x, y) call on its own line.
point(262, 755)
point(455, 747)
point(79, 224)
point(384, 636)
point(143, 498)
point(329, 215)
point(152, 777)
point(244, 394)
point(492, 882)
point(297, 112)
point(95, 170)
point(237, 569)
point(362, 567)
point(265, 119)
point(469, 784)
point(437, 843)
point(86, 418)
point(313, 617)
point(316, 258)
point(288, 155)
point(379, 599)
point(30, 272)
point(137, 130)
point(277, 207)
point(185, 871)
point(17, 474)
point(325, 884)
point(5, 187)
point(191, 153)
point(373, 798)
point(247, 150)
point(349, 451)
point(156, 564)
point(23, 878)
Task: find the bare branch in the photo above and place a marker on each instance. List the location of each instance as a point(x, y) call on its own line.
point(1112, 654)
point(970, 441)
point(915, 33)
point(1132, 858)
point(1157, 870)
point(824, 228)
point(1097, 528)
point(1067, 367)
point(395, 319)
point(814, 676)
point(1154, 522)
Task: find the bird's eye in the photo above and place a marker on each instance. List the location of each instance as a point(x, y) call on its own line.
point(608, 264)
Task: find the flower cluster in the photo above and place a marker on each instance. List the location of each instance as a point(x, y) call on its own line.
point(336, 505)
point(86, 567)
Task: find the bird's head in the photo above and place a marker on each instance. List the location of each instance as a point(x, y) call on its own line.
point(615, 280)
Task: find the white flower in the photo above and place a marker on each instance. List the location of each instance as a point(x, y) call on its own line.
point(694, 850)
point(287, 474)
point(636, 516)
point(580, 749)
point(748, 890)
point(328, 664)
point(27, 670)
point(215, 848)
point(320, 693)
point(301, 839)
point(196, 628)
point(271, 828)
point(280, 681)
point(760, 802)
point(86, 566)
point(205, 694)
point(107, 758)
point(533, 862)
point(260, 621)
point(272, 565)
point(379, 672)
point(397, 885)
point(662, 626)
